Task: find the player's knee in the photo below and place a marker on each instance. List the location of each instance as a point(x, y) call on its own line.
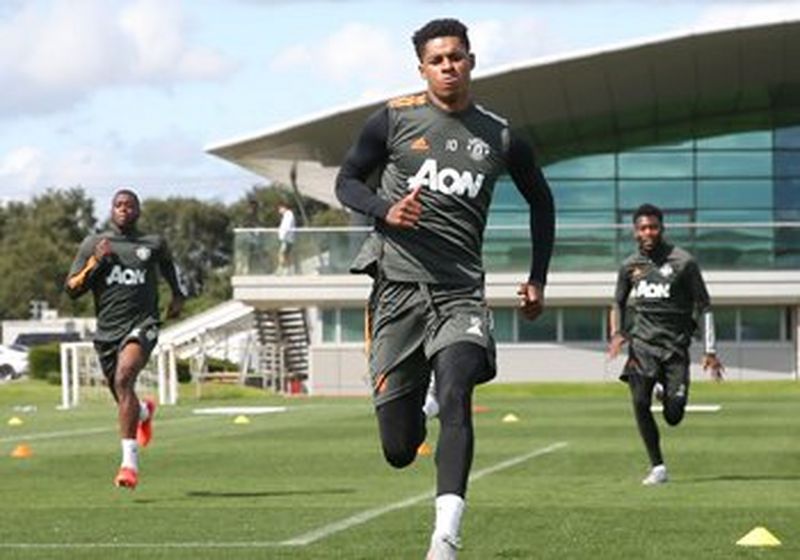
point(400, 456)
point(674, 410)
point(124, 380)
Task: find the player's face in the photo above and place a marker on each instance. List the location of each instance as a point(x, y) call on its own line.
point(648, 230)
point(124, 210)
point(446, 66)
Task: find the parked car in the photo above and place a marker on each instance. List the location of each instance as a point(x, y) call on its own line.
point(13, 361)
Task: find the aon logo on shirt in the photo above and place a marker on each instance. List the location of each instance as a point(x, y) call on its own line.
point(446, 180)
point(648, 290)
point(125, 276)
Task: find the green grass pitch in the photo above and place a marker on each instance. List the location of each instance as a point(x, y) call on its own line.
point(311, 483)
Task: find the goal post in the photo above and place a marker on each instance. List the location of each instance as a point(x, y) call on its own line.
point(82, 377)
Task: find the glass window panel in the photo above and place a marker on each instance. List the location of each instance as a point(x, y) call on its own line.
point(543, 329)
point(664, 193)
point(706, 216)
point(583, 324)
point(588, 167)
point(503, 318)
point(352, 325)
point(787, 193)
point(733, 193)
point(585, 241)
point(506, 195)
point(734, 164)
point(655, 165)
point(725, 323)
point(682, 146)
point(760, 323)
point(328, 325)
point(579, 195)
point(787, 137)
point(734, 248)
point(753, 139)
point(787, 163)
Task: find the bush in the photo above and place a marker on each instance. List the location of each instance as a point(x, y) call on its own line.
point(44, 362)
point(214, 364)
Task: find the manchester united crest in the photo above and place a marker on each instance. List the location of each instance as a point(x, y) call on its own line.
point(478, 149)
point(143, 253)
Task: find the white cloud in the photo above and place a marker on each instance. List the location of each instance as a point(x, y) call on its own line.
point(20, 171)
point(366, 55)
point(59, 51)
point(290, 58)
point(168, 165)
point(380, 62)
point(726, 15)
point(500, 42)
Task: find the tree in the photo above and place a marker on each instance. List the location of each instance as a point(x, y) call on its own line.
point(37, 243)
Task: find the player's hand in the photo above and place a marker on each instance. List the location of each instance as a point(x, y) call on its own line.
point(712, 364)
point(102, 249)
point(615, 345)
point(405, 212)
point(531, 300)
point(175, 308)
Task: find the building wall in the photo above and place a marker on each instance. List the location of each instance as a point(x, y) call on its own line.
point(342, 370)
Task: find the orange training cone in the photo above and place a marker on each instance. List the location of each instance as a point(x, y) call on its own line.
point(22, 451)
point(424, 449)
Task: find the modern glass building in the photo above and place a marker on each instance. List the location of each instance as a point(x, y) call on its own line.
point(706, 126)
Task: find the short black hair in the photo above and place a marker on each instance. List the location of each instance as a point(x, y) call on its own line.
point(648, 210)
point(129, 192)
point(447, 27)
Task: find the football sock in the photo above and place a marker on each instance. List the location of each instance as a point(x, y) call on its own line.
point(449, 508)
point(144, 412)
point(130, 454)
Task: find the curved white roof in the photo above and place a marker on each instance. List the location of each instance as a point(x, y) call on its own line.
point(654, 91)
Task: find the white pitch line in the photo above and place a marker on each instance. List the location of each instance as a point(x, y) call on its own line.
point(692, 408)
point(85, 431)
point(301, 540)
point(368, 515)
point(61, 546)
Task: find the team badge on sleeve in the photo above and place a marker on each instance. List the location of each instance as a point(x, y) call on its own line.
point(143, 253)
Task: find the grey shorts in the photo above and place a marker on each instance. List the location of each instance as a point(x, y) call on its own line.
point(408, 323)
point(108, 351)
point(668, 367)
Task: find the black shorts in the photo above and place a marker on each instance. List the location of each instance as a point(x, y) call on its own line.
point(668, 367)
point(108, 350)
point(408, 323)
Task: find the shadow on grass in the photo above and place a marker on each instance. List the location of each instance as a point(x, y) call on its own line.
point(741, 478)
point(270, 494)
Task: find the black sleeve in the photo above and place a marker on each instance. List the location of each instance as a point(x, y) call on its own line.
point(534, 188)
point(621, 294)
point(369, 153)
point(169, 271)
point(84, 269)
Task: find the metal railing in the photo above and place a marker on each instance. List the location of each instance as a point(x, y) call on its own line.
point(578, 247)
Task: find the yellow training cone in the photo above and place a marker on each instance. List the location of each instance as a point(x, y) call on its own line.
point(510, 417)
point(22, 451)
point(424, 449)
point(241, 419)
point(759, 537)
point(15, 421)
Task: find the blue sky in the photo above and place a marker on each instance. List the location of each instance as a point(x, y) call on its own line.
point(110, 93)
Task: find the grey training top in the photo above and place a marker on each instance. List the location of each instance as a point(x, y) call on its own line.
point(455, 158)
point(668, 293)
point(124, 283)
